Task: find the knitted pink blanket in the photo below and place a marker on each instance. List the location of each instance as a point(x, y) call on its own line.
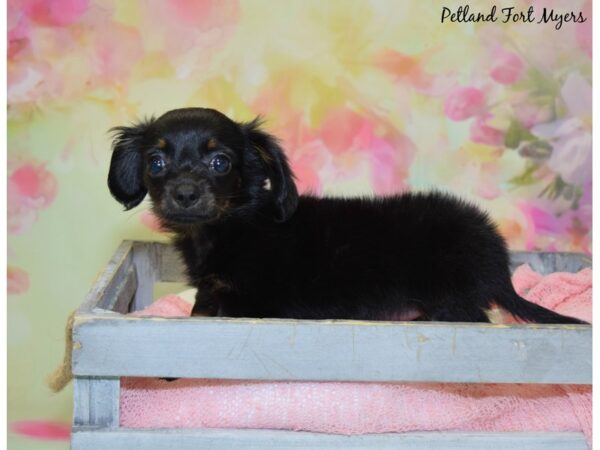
point(357, 408)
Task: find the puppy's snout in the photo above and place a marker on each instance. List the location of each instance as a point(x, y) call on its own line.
point(186, 195)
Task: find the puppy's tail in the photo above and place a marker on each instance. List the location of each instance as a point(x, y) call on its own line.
point(530, 312)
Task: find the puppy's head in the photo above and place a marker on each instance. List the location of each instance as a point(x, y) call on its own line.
point(199, 166)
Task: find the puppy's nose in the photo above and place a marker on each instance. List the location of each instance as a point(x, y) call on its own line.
point(186, 195)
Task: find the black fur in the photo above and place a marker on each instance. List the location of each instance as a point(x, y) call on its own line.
point(254, 248)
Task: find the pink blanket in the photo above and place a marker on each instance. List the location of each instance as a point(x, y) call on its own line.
point(357, 408)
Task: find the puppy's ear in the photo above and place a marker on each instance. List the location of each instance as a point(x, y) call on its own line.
point(279, 175)
point(126, 175)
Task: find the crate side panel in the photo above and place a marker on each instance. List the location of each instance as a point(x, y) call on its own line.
point(96, 401)
point(549, 262)
point(171, 265)
point(146, 258)
point(215, 439)
point(114, 284)
point(333, 350)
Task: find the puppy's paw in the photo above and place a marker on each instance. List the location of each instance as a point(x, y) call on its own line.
point(204, 310)
point(211, 290)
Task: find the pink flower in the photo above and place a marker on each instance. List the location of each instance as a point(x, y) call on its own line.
point(18, 280)
point(571, 149)
point(508, 67)
point(390, 161)
point(204, 14)
point(42, 429)
point(539, 223)
point(57, 13)
point(464, 102)
point(571, 137)
point(390, 155)
point(484, 134)
point(404, 67)
point(30, 188)
point(569, 228)
point(341, 128)
point(307, 162)
point(117, 49)
point(18, 30)
point(530, 114)
point(202, 27)
point(345, 133)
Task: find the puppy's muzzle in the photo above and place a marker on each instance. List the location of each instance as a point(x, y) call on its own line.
point(186, 195)
point(187, 201)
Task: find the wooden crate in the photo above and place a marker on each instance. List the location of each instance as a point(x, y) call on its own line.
point(107, 345)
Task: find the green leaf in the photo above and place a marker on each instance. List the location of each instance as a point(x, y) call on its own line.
point(578, 195)
point(527, 178)
point(542, 84)
point(515, 134)
point(559, 188)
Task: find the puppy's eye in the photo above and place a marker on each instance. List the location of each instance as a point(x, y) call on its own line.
point(157, 165)
point(220, 164)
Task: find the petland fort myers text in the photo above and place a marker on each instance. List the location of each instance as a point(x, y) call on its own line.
point(511, 14)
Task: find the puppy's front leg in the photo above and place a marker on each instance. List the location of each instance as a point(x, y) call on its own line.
point(212, 289)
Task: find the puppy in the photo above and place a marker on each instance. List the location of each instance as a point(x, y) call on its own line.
point(254, 248)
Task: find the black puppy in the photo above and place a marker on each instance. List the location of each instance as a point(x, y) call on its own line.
point(254, 248)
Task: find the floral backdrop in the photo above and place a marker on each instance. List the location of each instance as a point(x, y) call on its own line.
point(368, 97)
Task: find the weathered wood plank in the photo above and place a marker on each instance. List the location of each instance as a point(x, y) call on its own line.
point(119, 295)
point(96, 401)
point(164, 260)
point(215, 439)
point(109, 288)
point(549, 262)
point(332, 350)
point(171, 266)
point(146, 259)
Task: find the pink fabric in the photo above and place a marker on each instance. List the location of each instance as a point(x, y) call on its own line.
point(566, 293)
point(167, 306)
point(357, 408)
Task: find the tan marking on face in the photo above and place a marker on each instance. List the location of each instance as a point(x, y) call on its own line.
point(212, 143)
point(265, 156)
point(222, 209)
point(161, 143)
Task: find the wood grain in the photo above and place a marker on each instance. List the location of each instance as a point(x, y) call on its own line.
point(216, 439)
point(276, 349)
